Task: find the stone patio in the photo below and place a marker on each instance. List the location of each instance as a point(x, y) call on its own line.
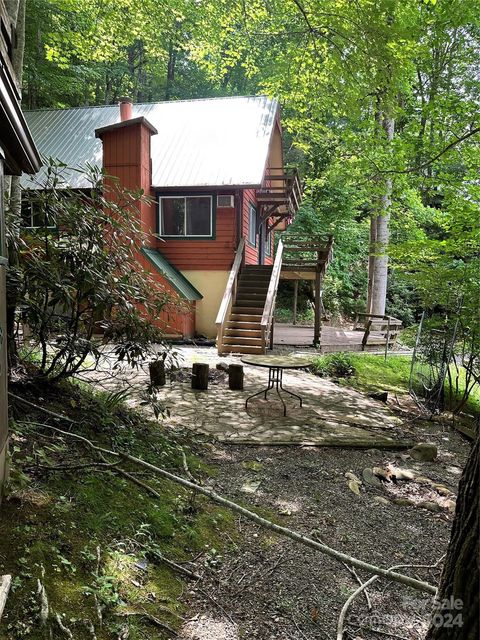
point(332, 415)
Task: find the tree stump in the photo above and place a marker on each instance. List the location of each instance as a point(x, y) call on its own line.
point(235, 377)
point(200, 376)
point(157, 373)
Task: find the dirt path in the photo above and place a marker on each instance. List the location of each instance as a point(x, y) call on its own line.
point(270, 588)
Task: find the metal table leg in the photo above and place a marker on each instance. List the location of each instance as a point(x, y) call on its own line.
point(275, 381)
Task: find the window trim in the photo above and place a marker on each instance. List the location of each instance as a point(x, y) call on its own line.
point(213, 215)
point(268, 243)
point(31, 203)
point(252, 208)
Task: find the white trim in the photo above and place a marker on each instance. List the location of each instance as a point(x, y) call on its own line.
point(252, 208)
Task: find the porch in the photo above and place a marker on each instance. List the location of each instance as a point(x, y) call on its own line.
point(332, 338)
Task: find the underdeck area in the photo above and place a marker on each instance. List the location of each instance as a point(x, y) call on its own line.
point(332, 338)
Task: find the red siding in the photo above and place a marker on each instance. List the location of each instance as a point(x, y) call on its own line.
point(177, 318)
point(210, 255)
point(251, 253)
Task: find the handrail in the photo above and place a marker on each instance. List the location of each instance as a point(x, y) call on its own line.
point(271, 293)
point(229, 289)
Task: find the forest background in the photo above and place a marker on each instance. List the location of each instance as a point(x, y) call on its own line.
point(379, 107)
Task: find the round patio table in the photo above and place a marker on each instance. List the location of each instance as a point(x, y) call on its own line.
point(276, 365)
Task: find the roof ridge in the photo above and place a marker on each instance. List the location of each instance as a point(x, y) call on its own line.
point(142, 104)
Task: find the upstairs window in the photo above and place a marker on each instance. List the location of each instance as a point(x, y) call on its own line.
point(252, 226)
point(186, 216)
point(36, 215)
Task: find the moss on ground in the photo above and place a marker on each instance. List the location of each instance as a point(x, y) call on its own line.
point(53, 522)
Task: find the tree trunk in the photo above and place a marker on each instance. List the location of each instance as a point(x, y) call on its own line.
point(458, 606)
point(378, 258)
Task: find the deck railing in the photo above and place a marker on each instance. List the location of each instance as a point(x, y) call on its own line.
point(229, 295)
point(269, 308)
point(388, 325)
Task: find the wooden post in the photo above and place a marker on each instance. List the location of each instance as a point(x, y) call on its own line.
point(295, 301)
point(272, 328)
point(318, 309)
point(200, 376)
point(235, 377)
point(157, 373)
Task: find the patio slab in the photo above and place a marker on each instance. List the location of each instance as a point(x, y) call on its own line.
point(331, 416)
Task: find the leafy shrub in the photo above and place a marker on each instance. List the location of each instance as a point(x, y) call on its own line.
point(80, 284)
point(334, 365)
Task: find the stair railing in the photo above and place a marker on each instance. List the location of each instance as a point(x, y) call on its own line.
point(269, 308)
point(229, 295)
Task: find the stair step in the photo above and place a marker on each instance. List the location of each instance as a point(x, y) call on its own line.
point(251, 295)
point(242, 288)
point(250, 310)
point(251, 342)
point(251, 318)
point(241, 348)
point(250, 302)
point(241, 331)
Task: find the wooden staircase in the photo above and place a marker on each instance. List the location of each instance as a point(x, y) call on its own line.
point(242, 331)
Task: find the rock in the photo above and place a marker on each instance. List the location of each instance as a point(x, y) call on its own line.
point(442, 490)
point(403, 502)
point(424, 452)
point(352, 476)
point(401, 474)
point(423, 480)
point(379, 395)
point(450, 505)
point(381, 500)
point(382, 473)
point(370, 478)
point(222, 366)
point(354, 486)
point(430, 506)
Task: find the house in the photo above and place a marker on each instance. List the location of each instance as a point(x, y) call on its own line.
point(215, 171)
point(17, 154)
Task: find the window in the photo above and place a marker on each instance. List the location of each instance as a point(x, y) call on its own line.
point(268, 242)
point(36, 216)
point(252, 226)
point(186, 216)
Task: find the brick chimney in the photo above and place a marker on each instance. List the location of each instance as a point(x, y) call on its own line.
point(126, 156)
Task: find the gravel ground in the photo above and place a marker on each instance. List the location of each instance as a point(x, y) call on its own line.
point(268, 587)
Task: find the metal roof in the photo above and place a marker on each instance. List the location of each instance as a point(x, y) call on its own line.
point(178, 281)
point(200, 143)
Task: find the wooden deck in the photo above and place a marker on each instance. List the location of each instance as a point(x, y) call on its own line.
point(332, 338)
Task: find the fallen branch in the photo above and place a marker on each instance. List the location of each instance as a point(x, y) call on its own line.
point(150, 618)
point(173, 565)
point(65, 630)
point(58, 416)
point(362, 587)
point(186, 469)
point(357, 578)
point(283, 531)
point(5, 582)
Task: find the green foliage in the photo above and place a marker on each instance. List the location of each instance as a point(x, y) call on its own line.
point(334, 365)
point(82, 277)
point(58, 519)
